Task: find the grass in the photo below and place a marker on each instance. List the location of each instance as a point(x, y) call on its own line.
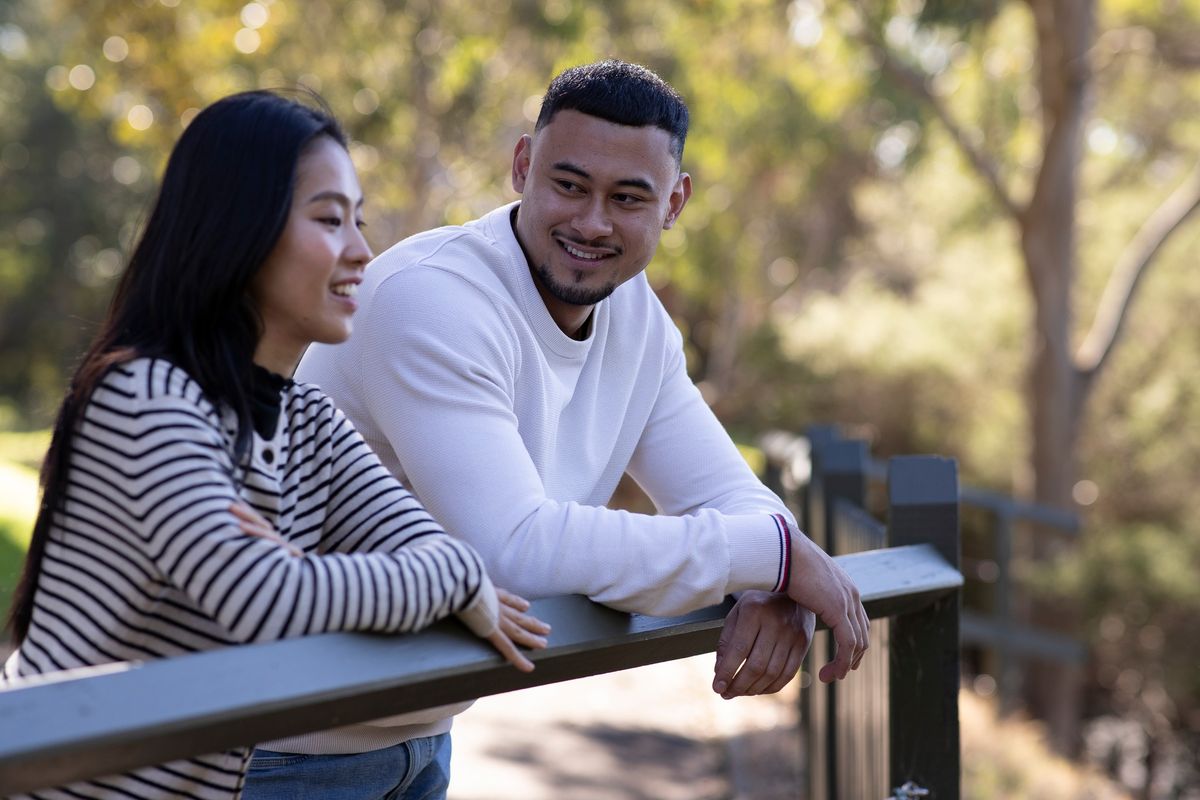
point(20, 454)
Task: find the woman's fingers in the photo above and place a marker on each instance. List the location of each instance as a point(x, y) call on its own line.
point(253, 524)
point(511, 608)
point(510, 652)
point(517, 628)
point(512, 600)
point(522, 634)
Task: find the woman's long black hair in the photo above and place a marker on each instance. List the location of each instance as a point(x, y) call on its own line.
point(224, 201)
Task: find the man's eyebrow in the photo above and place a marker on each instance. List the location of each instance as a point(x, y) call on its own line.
point(636, 183)
point(336, 196)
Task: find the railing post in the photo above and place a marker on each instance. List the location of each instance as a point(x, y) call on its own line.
point(812, 516)
point(1008, 679)
point(923, 695)
point(839, 473)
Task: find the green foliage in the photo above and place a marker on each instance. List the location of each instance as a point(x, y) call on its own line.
point(1138, 586)
point(12, 557)
point(1005, 758)
point(25, 449)
point(840, 259)
point(18, 506)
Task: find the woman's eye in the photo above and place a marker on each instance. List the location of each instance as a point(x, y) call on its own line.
point(331, 221)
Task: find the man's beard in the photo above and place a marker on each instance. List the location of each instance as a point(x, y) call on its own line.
point(573, 295)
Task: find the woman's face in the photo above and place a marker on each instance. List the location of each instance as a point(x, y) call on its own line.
point(305, 289)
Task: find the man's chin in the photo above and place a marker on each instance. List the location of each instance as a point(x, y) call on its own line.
point(576, 293)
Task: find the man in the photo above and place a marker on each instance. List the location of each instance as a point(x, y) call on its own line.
point(512, 369)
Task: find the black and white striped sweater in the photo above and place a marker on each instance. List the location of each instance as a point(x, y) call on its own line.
point(146, 561)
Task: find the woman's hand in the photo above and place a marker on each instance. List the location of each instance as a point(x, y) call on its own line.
point(517, 627)
point(253, 524)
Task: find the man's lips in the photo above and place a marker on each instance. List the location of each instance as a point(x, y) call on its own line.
point(586, 254)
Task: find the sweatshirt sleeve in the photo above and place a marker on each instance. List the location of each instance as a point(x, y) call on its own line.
point(685, 462)
point(441, 388)
point(162, 461)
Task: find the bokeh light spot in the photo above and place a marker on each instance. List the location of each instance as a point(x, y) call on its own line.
point(140, 117)
point(116, 49)
point(81, 77)
point(247, 41)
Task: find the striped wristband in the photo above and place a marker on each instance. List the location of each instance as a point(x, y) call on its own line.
point(785, 556)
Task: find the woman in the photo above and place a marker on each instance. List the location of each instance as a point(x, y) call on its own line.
point(193, 495)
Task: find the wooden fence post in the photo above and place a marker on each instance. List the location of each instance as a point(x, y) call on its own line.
point(924, 727)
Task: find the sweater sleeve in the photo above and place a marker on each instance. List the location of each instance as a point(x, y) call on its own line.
point(369, 510)
point(162, 460)
point(685, 462)
point(441, 388)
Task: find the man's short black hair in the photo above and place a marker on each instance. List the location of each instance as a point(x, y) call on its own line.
point(620, 92)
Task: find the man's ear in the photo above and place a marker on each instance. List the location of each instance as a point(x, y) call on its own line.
point(679, 197)
point(520, 166)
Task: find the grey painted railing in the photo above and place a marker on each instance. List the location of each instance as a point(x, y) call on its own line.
point(99, 721)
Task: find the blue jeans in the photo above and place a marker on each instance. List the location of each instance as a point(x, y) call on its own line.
point(418, 769)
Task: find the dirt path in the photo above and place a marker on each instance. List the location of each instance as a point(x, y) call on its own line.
point(654, 733)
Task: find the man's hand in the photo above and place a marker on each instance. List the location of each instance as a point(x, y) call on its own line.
point(817, 582)
point(762, 645)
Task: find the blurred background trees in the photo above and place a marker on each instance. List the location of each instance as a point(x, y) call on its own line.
point(907, 214)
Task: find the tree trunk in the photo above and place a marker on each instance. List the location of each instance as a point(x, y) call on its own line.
point(1057, 388)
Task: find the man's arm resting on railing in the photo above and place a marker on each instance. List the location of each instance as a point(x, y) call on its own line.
point(69, 729)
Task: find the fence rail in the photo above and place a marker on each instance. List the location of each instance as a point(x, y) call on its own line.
point(93, 722)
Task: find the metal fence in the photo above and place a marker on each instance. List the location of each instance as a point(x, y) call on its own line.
point(93, 722)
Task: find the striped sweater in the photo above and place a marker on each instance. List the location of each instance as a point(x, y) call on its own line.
point(145, 560)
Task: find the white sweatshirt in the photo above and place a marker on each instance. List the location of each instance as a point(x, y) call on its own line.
point(514, 436)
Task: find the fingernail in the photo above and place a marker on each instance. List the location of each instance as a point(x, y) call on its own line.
point(720, 686)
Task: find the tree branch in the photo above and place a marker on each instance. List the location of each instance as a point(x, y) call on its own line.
point(1128, 272)
point(917, 83)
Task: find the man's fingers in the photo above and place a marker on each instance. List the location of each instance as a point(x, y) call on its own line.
point(756, 664)
point(795, 659)
point(771, 673)
point(866, 626)
point(730, 656)
point(847, 646)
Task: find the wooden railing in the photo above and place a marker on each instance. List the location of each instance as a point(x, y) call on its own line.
point(94, 722)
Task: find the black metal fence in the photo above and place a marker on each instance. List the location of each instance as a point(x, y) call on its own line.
point(98, 721)
point(855, 731)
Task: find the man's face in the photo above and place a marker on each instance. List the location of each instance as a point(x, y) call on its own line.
point(596, 197)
